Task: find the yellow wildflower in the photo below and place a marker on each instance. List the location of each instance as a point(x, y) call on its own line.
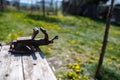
point(15, 36)
point(90, 60)
point(69, 74)
point(9, 35)
point(73, 66)
point(77, 58)
point(49, 49)
point(74, 78)
point(79, 51)
point(20, 32)
point(77, 70)
point(69, 65)
point(79, 77)
point(111, 48)
point(72, 75)
point(85, 76)
point(77, 32)
point(76, 66)
point(109, 59)
point(96, 58)
point(99, 48)
point(113, 58)
point(73, 41)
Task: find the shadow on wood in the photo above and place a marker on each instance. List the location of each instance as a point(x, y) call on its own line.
point(41, 55)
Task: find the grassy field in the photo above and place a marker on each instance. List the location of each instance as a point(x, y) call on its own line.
point(74, 56)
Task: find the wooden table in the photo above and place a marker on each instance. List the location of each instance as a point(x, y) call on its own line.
point(24, 66)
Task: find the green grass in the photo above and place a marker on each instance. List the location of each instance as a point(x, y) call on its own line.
point(79, 37)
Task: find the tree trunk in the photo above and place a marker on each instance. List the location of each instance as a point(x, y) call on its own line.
point(31, 7)
point(43, 6)
point(56, 9)
point(2, 5)
point(105, 40)
point(17, 3)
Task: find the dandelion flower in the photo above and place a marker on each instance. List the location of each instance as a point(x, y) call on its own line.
point(90, 60)
point(79, 51)
point(69, 65)
point(73, 41)
point(85, 76)
point(77, 58)
point(49, 49)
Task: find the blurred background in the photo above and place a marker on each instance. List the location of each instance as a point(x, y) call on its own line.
point(89, 8)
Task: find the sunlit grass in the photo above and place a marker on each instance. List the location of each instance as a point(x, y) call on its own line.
point(79, 43)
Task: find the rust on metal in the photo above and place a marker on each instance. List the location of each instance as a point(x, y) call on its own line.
point(31, 45)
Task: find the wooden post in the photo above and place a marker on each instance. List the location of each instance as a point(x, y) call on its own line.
point(109, 15)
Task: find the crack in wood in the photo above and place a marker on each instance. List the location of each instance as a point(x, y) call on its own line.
point(22, 68)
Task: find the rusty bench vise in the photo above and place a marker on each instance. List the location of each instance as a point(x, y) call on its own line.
point(30, 45)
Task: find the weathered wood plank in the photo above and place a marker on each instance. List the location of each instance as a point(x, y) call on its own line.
point(37, 68)
point(10, 65)
point(24, 66)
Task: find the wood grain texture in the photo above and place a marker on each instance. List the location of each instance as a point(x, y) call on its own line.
point(10, 66)
point(37, 68)
point(24, 66)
